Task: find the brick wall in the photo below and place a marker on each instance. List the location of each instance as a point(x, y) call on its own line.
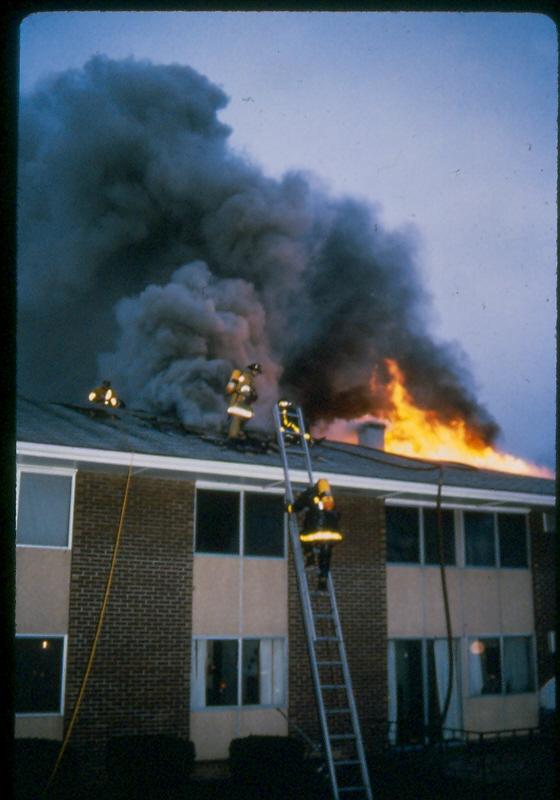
point(358, 569)
point(543, 563)
point(140, 678)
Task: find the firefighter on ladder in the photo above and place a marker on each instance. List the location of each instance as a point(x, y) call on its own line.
point(320, 530)
point(241, 388)
point(289, 423)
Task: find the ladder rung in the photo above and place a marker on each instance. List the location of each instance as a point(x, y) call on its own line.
point(342, 736)
point(329, 663)
point(324, 616)
point(327, 639)
point(345, 763)
point(351, 789)
point(337, 710)
point(333, 686)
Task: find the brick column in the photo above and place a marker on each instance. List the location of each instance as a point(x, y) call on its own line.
point(543, 563)
point(140, 679)
point(359, 574)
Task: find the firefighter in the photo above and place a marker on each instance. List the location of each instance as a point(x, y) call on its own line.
point(320, 530)
point(289, 423)
point(106, 395)
point(241, 388)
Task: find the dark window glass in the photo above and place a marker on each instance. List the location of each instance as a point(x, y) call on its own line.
point(38, 674)
point(43, 509)
point(251, 670)
point(518, 664)
point(479, 539)
point(217, 522)
point(431, 536)
point(402, 534)
point(512, 532)
point(485, 672)
point(264, 525)
point(221, 677)
point(409, 679)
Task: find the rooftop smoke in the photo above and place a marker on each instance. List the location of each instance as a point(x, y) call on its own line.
point(152, 254)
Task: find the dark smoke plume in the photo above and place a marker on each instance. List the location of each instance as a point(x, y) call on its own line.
point(150, 253)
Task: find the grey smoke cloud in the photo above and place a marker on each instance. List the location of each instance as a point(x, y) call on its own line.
point(152, 254)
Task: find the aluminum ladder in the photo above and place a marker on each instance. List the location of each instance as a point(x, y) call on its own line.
point(340, 727)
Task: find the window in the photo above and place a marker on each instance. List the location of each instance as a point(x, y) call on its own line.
point(403, 534)
point(217, 522)
point(234, 523)
point(431, 536)
point(418, 675)
point(412, 532)
point(485, 671)
point(264, 524)
point(38, 678)
point(480, 547)
point(44, 509)
point(234, 672)
point(512, 536)
point(501, 665)
point(495, 539)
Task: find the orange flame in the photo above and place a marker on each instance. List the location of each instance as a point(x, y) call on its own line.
point(416, 432)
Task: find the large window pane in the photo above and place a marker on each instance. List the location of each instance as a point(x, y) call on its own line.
point(431, 536)
point(217, 522)
point(43, 516)
point(518, 664)
point(403, 538)
point(409, 690)
point(251, 670)
point(485, 673)
point(38, 674)
point(221, 672)
point(479, 539)
point(264, 525)
point(512, 532)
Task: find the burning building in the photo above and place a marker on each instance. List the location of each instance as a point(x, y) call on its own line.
point(203, 636)
point(153, 254)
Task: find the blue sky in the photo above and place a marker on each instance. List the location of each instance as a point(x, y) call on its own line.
point(442, 121)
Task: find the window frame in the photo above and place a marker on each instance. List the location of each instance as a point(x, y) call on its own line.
point(63, 472)
point(62, 698)
point(501, 637)
point(421, 535)
point(496, 528)
point(242, 491)
point(239, 705)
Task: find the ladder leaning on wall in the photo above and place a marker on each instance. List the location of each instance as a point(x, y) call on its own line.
point(340, 727)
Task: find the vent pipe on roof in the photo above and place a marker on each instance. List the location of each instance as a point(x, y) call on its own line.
point(372, 434)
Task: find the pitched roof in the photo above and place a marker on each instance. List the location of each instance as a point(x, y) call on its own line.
point(127, 431)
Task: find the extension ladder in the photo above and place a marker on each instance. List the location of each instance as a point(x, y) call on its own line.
point(342, 740)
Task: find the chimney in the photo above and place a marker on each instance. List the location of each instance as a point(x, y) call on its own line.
point(372, 434)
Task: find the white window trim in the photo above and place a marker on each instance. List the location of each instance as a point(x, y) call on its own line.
point(242, 491)
point(501, 637)
point(241, 706)
point(64, 471)
point(64, 638)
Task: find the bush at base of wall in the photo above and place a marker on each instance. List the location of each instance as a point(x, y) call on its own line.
point(148, 766)
point(274, 765)
point(34, 761)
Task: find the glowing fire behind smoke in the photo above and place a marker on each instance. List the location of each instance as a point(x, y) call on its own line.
point(416, 432)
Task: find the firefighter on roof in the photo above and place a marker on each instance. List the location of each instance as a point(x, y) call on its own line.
point(320, 530)
point(289, 423)
point(241, 388)
point(106, 395)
